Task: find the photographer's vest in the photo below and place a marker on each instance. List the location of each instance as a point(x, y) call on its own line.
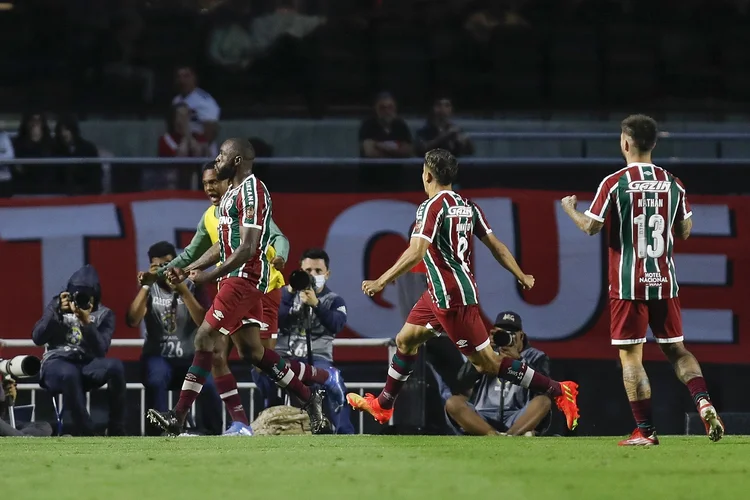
point(292, 341)
point(493, 393)
point(170, 331)
point(211, 223)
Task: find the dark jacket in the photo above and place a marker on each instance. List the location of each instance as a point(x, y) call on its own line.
point(64, 335)
point(79, 179)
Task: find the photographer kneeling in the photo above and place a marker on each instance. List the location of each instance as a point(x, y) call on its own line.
point(8, 396)
point(309, 307)
point(77, 331)
point(496, 406)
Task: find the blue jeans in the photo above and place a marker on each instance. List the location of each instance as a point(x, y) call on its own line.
point(341, 421)
point(161, 375)
point(74, 379)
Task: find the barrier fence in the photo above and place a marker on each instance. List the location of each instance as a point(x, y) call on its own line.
point(359, 386)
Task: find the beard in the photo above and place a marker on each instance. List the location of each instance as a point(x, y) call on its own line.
point(226, 173)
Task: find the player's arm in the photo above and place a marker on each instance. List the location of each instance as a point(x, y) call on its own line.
point(584, 222)
point(249, 240)
point(502, 255)
point(199, 245)
point(411, 257)
point(206, 260)
point(682, 228)
point(279, 242)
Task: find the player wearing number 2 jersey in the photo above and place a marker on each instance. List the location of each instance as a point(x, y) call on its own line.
point(647, 206)
point(442, 239)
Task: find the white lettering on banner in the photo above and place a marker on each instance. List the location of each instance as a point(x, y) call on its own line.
point(160, 220)
point(346, 244)
point(62, 231)
point(706, 325)
point(581, 276)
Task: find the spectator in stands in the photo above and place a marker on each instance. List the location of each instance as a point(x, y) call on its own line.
point(204, 112)
point(385, 135)
point(80, 179)
point(34, 140)
point(490, 406)
point(320, 313)
point(6, 171)
point(172, 315)
point(76, 330)
point(440, 132)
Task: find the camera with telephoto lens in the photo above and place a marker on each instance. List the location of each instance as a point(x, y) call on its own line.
point(301, 280)
point(503, 338)
point(82, 299)
point(20, 366)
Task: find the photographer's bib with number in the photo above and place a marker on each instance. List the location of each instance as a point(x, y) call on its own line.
point(169, 328)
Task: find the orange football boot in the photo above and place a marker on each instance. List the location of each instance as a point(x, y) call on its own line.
point(567, 403)
point(370, 404)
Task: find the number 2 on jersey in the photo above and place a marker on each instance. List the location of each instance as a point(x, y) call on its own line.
point(463, 245)
point(655, 249)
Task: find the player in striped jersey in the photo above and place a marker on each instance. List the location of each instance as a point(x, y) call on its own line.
point(648, 207)
point(237, 310)
point(442, 239)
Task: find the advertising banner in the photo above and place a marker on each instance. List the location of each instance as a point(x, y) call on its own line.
point(43, 241)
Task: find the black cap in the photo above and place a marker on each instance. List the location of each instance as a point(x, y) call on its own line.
point(509, 320)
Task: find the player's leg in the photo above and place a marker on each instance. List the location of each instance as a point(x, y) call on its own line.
point(226, 384)
point(462, 413)
point(529, 417)
point(271, 303)
point(666, 323)
point(250, 348)
point(628, 323)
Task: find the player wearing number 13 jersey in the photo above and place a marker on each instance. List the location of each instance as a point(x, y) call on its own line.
point(442, 239)
point(647, 206)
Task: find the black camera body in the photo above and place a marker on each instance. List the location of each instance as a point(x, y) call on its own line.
point(504, 338)
point(82, 299)
point(301, 280)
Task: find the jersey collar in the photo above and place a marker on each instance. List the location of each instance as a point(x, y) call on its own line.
point(639, 164)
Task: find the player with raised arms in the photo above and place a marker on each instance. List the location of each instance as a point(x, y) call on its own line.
point(648, 207)
point(442, 238)
point(245, 275)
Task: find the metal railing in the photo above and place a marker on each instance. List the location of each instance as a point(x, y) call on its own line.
point(312, 162)
point(131, 386)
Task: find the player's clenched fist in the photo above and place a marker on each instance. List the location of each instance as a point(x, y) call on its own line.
point(175, 275)
point(371, 287)
point(569, 202)
point(527, 282)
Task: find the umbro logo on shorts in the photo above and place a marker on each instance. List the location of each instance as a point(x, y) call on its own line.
point(218, 314)
point(462, 343)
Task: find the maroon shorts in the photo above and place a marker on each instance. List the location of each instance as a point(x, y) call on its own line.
point(271, 302)
point(462, 324)
point(237, 303)
point(630, 319)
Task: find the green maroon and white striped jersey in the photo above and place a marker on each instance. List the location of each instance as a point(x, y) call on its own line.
point(647, 201)
point(448, 221)
point(247, 204)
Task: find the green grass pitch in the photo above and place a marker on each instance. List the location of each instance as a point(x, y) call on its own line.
point(372, 467)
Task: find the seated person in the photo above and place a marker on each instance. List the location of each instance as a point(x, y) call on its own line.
point(172, 315)
point(77, 331)
point(8, 395)
point(494, 406)
point(321, 313)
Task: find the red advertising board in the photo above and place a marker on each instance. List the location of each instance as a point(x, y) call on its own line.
point(42, 242)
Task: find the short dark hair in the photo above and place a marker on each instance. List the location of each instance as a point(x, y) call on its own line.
point(161, 249)
point(242, 147)
point(443, 166)
point(316, 253)
point(642, 129)
point(211, 165)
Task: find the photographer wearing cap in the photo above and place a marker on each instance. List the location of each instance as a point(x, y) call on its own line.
point(77, 331)
point(490, 406)
point(309, 307)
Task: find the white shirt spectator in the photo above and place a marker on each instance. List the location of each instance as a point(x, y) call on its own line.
point(203, 108)
point(6, 152)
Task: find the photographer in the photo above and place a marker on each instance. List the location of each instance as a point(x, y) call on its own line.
point(172, 315)
point(315, 310)
point(77, 331)
point(496, 406)
point(8, 395)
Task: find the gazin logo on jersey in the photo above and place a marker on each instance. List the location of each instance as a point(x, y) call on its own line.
point(649, 186)
point(460, 212)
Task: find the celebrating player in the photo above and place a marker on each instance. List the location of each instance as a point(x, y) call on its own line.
point(649, 205)
point(237, 310)
point(442, 236)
